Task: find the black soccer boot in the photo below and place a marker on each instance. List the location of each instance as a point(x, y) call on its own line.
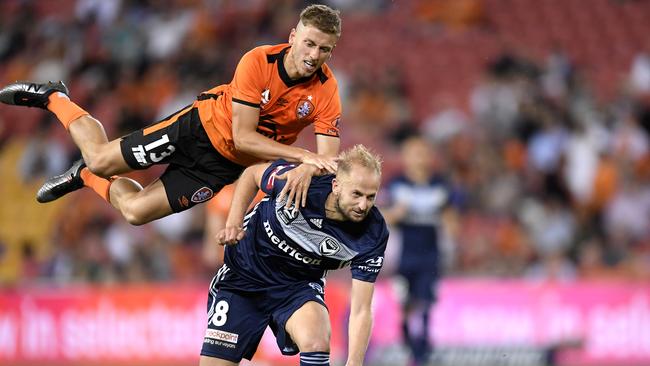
point(62, 184)
point(31, 94)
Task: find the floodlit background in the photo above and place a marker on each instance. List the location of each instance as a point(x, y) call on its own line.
point(538, 112)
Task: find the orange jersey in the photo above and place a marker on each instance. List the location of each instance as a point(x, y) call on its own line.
point(286, 106)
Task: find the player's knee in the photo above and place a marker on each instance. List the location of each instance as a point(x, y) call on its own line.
point(99, 165)
point(133, 214)
point(134, 219)
point(316, 344)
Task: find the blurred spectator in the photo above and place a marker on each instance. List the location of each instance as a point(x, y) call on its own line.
point(43, 156)
point(455, 14)
point(553, 267)
point(166, 29)
point(557, 78)
point(584, 145)
point(640, 74)
point(551, 225)
point(628, 212)
point(591, 264)
point(629, 141)
point(447, 119)
point(495, 103)
point(103, 12)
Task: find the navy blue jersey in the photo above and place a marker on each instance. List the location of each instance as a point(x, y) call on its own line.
point(282, 247)
point(420, 226)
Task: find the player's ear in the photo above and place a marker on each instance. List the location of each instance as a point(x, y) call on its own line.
point(292, 36)
point(336, 188)
point(331, 52)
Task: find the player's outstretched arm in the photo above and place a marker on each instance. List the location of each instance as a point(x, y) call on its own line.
point(360, 322)
point(247, 186)
point(299, 179)
point(247, 139)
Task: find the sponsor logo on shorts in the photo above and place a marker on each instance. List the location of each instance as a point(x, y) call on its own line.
point(183, 201)
point(202, 195)
point(222, 336)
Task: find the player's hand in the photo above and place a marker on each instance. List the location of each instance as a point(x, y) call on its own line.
point(230, 235)
point(323, 162)
point(298, 181)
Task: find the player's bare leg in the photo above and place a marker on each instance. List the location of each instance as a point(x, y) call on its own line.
point(101, 158)
point(137, 205)
point(211, 361)
point(310, 329)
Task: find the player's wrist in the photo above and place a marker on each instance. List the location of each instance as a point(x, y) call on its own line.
point(311, 168)
point(238, 223)
point(304, 156)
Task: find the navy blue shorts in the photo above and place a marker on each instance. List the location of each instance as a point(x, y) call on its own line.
point(237, 318)
point(421, 285)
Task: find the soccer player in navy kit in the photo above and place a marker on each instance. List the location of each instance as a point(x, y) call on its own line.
point(277, 257)
point(420, 204)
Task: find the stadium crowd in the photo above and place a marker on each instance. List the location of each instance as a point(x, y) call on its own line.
point(552, 182)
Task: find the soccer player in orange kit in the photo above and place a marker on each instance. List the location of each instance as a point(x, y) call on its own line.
point(276, 92)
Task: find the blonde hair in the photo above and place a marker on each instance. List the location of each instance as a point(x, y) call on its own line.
point(324, 18)
point(358, 155)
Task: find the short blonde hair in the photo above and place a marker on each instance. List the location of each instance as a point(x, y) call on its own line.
point(324, 18)
point(358, 155)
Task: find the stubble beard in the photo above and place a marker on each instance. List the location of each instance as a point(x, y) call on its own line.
point(342, 212)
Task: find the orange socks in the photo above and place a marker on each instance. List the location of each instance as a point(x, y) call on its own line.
point(66, 110)
point(98, 184)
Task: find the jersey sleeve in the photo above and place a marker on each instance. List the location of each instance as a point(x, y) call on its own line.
point(248, 83)
point(402, 194)
point(366, 266)
point(269, 184)
point(328, 121)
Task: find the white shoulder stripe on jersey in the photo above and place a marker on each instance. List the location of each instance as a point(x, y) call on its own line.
point(311, 240)
point(253, 211)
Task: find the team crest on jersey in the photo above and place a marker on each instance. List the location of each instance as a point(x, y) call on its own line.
point(287, 214)
point(329, 247)
point(202, 195)
point(304, 108)
point(266, 96)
